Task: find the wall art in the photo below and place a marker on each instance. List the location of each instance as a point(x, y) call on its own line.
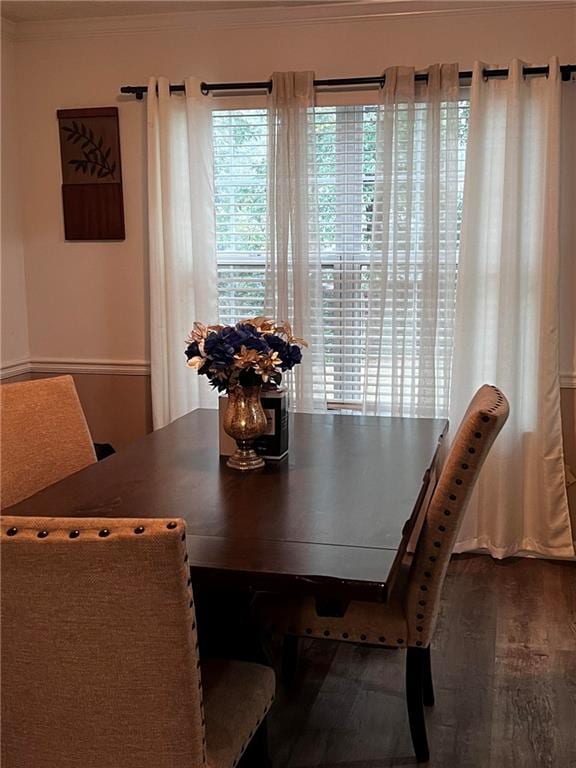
point(91, 174)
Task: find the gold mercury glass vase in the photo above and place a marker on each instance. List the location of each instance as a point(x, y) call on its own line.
point(245, 420)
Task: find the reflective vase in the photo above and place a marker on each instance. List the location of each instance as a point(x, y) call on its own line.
point(245, 420)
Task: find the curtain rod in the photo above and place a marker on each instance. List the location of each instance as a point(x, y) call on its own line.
point(266, 85)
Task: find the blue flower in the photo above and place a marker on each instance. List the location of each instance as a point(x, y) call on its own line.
point(257, 343)
point(219, 347)
point(192, 350)
point(289, 354)
point(294, 356)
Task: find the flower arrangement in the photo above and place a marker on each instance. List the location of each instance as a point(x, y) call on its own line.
point(252, 352)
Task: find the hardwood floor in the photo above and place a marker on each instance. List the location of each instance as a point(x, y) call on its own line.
point(504, 661)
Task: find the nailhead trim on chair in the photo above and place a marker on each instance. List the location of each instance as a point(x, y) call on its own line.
point(172, 525)
point(447, 512)
point(105, 533)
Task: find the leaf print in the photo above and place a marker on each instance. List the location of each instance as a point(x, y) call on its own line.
point(96, 157)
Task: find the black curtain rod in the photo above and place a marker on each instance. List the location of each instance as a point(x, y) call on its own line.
point(266, 85)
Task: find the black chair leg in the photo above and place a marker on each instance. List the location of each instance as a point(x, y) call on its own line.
point(289, 659)
point(428, 685)
point(415, 664)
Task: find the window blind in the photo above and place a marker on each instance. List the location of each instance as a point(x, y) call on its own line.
point(344, 178)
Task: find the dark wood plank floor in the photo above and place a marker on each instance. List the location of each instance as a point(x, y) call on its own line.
point(504, 661)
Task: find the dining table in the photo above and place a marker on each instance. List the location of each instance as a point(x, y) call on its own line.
point(333, 519)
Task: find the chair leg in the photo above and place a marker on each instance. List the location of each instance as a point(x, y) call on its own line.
point(427, 683)
point(415, 702)
point(290, 647)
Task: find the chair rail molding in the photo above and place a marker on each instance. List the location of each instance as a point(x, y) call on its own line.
point(15, 368)
point(126, 368)
point(76, 365)
point(363, 10)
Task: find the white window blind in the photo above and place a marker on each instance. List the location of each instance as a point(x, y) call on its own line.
point(344, 179)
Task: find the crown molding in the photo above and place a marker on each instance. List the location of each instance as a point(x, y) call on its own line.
point(190, 21)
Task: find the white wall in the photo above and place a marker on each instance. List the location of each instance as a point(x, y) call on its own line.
point(14, 345)
point(89, 300)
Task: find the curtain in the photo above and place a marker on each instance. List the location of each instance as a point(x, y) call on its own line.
point(293, 290)
point(507, 312)
point(182, 250)
point(413, 262)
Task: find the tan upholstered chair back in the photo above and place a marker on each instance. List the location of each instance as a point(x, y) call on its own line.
point(482, 421)
point(43, 436)
point(99, 650)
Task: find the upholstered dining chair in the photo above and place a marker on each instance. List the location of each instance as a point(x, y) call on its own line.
point(44, 436)
point(408, 618)
point(100, 664)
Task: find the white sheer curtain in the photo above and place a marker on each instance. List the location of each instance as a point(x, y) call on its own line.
point(507, 312)
point(182, 250)
point(415, 244)
point(293, 268)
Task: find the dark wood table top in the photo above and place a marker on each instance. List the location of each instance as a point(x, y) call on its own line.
point(328, 518)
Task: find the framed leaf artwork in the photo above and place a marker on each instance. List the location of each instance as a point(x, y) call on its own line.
point(91, 174)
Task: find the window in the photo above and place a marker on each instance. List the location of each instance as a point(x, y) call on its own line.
point(344, 177)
